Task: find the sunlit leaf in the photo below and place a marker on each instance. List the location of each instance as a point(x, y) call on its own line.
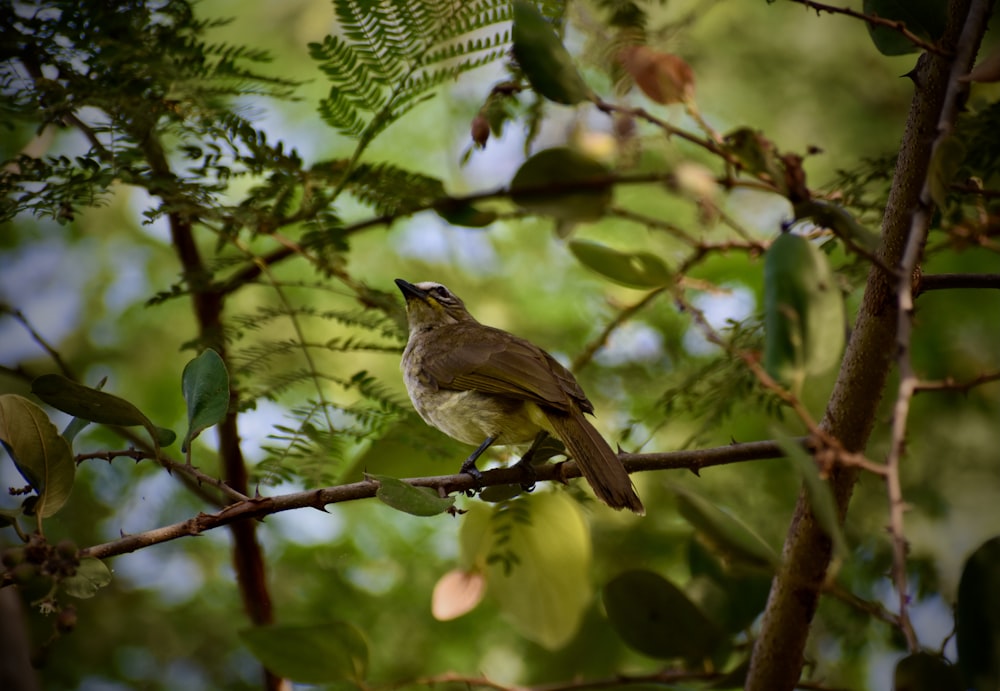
point(310, 654)
point(977, 627)
point(632, 269)
point(40, 453)
point(402, 496)
point(654, 617)
point(535, 553)
point(543, 59)
point(205, 384)
point(563, 183)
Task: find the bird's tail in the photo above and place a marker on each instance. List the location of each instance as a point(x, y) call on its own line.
point(599, 464)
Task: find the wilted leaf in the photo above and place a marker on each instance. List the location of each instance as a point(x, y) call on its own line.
point(40, 453)
point(632, 269)
point(91, 575)
point(205, 384)
point(543, 59)
point(977, 625)
point(457, 593)
point(402, 496)
point(654, 617)
point(563, 183)
point(311, 654)
point(663, 77)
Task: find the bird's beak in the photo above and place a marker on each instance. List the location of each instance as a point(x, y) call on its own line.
point(411, 291)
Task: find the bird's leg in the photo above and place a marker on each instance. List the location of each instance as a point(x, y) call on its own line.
point(525, 465)
point(469, 466)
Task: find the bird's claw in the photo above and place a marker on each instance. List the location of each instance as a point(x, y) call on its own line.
point(469, 468)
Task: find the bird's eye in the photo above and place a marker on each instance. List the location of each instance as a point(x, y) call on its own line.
point(441, 293)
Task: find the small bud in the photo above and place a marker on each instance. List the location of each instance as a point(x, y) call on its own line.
point(480, 130)
point(13, 556)
point(66, 549)
point(66, 621)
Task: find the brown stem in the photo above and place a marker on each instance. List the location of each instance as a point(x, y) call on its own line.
point(208, 302)
point(778, 652)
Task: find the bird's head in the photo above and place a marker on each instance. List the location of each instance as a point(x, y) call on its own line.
point(430, 304)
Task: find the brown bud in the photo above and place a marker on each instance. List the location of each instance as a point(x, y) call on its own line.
point(480, 130)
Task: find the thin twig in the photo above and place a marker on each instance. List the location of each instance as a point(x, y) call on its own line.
point(875, 20)
point(949, 384)
point(18, 315)
point(587, 354)
point(916, 239)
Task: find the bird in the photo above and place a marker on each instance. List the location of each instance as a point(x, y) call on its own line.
point(483, 386)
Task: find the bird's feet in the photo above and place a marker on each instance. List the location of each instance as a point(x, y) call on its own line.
point(527, 472)
point(469, 468)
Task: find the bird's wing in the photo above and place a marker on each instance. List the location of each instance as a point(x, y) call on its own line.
point(503, 364)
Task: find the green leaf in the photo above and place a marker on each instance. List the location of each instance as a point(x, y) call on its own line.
point(42, 456)
point(402, 496)
point(310, 654)
point(90, 404)
point(465, 214)
point(535, 552)
point(632, 269)
point(803, 312)
point(977, 626)
point(543, 59)
point(205, 384)
point(725, 534)
point(563, 183)
point(925, 18)
point(91, 575)
point(818, 491)
point(839, 220)
point(654, 617)
point(926, 672)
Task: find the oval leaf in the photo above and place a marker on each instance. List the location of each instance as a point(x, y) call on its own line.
point(543, 59)
point(91, 575)
point(803, 312)
point(925, 18)
point(40, 453)
point(535, 553)
point(402, 496)
point(457, 593)
point(205, 384)
point(654, 617)
point(726, 534)
point(563, 183)
point(465, 214)
point(977, 627)
point(926, 672)
point(311, 654)
point(632, 269)
point(90, 404)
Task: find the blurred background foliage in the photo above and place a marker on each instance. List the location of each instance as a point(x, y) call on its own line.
point(86, 282)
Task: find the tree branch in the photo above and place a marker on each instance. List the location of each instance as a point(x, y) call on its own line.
point(928, 282)
point(776, 663)
point(259, 507)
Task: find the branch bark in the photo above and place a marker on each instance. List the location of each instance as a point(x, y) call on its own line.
point(777, 658)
